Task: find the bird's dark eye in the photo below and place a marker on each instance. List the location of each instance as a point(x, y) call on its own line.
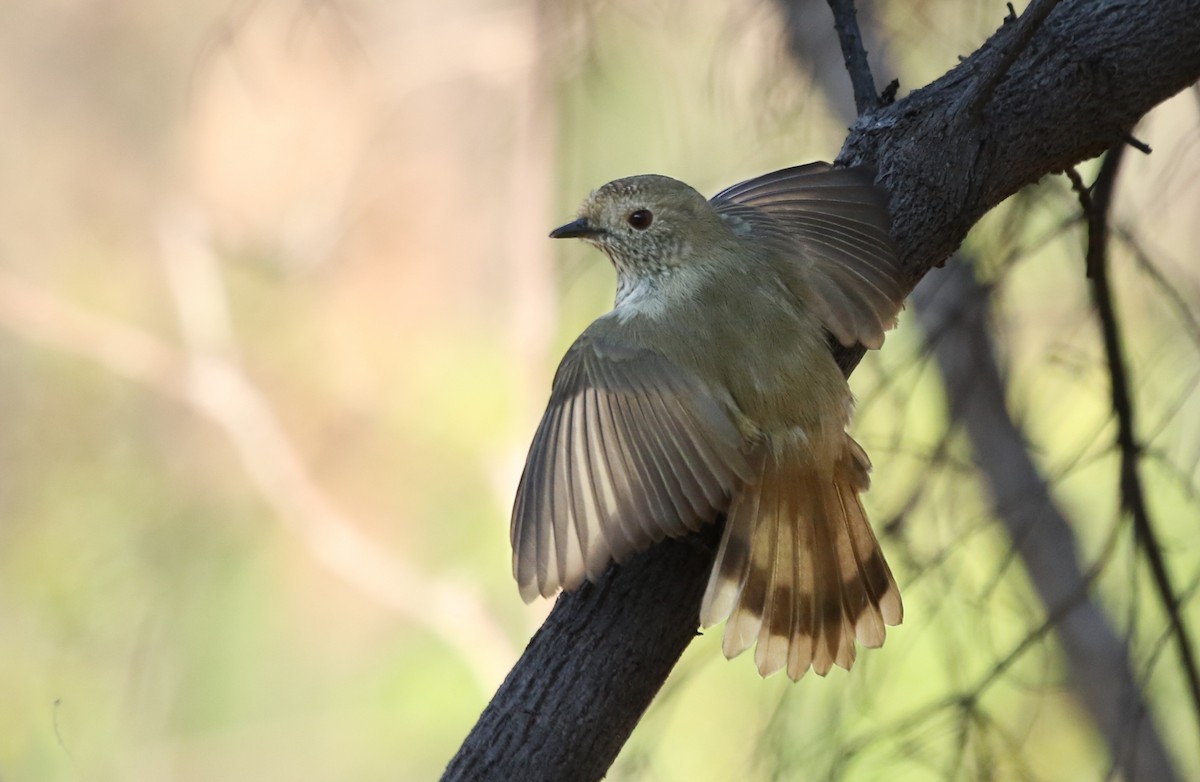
point(640, 219)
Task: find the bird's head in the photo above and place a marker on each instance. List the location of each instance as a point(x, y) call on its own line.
point(646, 224)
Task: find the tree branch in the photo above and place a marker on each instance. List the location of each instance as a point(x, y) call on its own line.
point(845, 21)
point(1096, 207)
point(952, 308)
point(585, 680)
point(1088, 74)
point(1084, 79)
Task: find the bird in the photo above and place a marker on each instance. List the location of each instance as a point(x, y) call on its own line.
point(710, 390)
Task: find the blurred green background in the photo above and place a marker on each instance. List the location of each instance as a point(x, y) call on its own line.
point(277, 321)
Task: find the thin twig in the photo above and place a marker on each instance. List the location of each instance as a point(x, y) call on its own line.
point(980, 92)
point(1096, 206)
point(1166, 289)
point(845, 21)
point(953, 310)
point(1056, 615)
point(1138, 144)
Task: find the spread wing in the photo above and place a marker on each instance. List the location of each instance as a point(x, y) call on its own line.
point(632, 448)
point(835, 222)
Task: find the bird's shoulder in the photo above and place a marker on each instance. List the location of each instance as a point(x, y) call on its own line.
point(609, 352)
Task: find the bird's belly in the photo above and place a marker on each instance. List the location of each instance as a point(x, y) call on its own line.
point(807, 402)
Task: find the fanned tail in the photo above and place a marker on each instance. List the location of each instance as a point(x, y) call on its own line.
point(799, 569)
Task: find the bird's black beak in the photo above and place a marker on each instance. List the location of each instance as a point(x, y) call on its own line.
point(575, 228)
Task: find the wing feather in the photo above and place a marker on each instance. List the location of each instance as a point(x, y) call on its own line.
point(646, 477)
point(656, 446)
point(632, 448)
point(607, 448)
point(834, 223)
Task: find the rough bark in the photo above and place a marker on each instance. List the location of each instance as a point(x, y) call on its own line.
point(585, 679)
point(1093, 69)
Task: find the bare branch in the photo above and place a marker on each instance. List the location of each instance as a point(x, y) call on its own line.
point(845, 21)
point(1096, 207)
point(1169, 292)
point(952, 308)
point(1138, 144)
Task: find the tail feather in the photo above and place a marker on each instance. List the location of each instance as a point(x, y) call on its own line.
point(778, 612)
point(799, 569)
point(730, 572)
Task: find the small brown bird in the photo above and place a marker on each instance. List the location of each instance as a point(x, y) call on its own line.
point(710, 389)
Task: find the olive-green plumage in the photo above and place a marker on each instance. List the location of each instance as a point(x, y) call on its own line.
point(708, 389)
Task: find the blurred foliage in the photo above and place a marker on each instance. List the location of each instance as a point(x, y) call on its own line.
point(345, 203)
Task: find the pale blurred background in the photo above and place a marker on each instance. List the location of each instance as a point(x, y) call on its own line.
point(278, 316)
